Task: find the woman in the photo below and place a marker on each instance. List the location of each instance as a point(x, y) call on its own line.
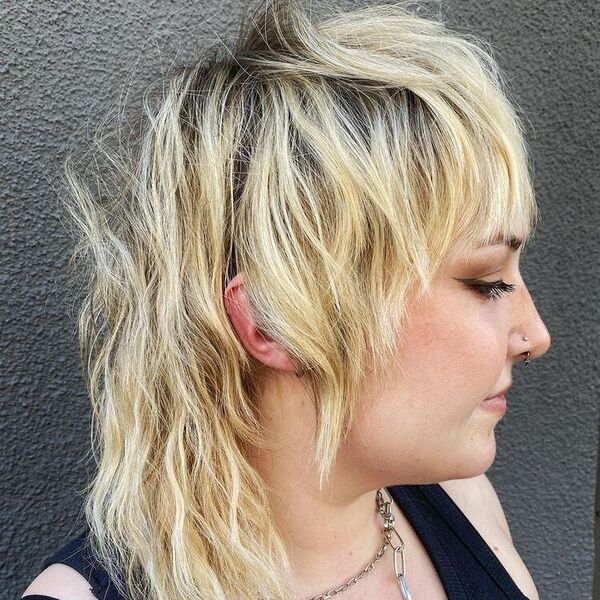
point(303, 286)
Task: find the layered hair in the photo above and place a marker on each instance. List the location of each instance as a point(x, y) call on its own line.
point(332, 160)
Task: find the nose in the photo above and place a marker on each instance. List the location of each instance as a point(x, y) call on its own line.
point(528, 323)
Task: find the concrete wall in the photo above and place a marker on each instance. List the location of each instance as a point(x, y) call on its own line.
point(62, 65)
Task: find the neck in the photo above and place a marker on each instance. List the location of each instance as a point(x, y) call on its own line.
point(330, 534)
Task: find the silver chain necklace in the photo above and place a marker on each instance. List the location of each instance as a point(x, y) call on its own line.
point(388, 531)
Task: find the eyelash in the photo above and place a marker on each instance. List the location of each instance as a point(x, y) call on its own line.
point(491, 289)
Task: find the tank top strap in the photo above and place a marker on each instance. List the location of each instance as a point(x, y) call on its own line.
point(416, 509)
point(466, 565)
point(76, 553)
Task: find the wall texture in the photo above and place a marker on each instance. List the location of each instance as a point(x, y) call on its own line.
point(62, 64)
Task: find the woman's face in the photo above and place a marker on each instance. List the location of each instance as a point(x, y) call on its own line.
point(425, 421)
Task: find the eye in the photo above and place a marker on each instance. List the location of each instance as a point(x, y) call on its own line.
point(491, 289)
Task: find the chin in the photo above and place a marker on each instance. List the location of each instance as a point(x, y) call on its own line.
point(480, 457)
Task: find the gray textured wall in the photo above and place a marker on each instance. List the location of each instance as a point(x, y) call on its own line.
point(62, 64)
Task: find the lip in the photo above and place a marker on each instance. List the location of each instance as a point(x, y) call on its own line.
point(496, 404)
point(501, 393)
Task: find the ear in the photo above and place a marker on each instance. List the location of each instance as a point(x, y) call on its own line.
point(258, 344)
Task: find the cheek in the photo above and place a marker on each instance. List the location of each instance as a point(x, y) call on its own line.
point(423, 407)
point(450, 348)
point(444, 366)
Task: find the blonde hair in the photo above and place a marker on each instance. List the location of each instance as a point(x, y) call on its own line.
point(333, 162)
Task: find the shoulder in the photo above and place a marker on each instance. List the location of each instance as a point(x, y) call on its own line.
point(478, 500)
point(61, 582)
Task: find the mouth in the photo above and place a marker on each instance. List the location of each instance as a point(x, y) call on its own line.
point(495, 404)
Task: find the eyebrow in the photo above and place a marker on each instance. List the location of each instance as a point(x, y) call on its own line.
point(513, 242)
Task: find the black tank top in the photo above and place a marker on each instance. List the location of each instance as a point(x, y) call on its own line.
point(466, 565)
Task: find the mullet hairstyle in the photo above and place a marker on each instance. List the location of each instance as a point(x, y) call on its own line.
point(333, 162)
